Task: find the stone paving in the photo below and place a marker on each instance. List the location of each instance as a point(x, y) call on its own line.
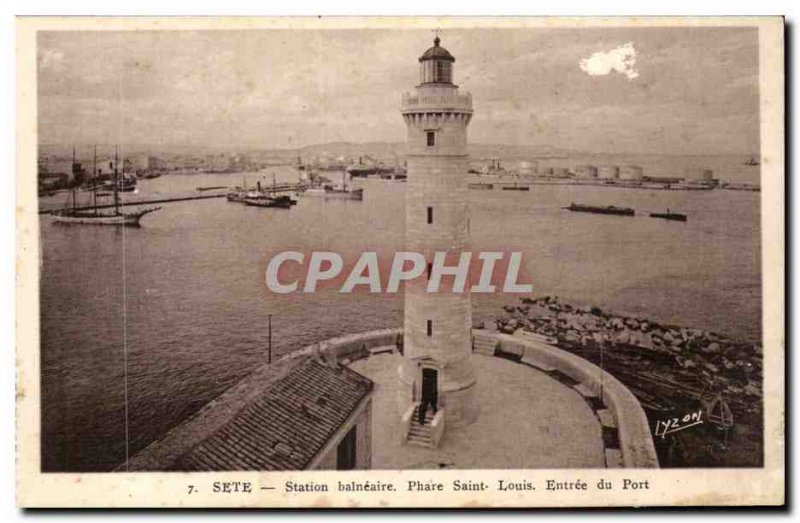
point(527, 420)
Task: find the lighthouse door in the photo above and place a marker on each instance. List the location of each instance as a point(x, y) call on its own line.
point(430, 388)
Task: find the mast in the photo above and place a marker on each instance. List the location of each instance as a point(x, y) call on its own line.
point(94, 179)
point(116, 179)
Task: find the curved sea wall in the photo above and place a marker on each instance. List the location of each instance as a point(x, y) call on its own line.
point(633, 429)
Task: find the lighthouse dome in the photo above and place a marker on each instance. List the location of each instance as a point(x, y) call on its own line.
point(437, 52)
point(436, 65)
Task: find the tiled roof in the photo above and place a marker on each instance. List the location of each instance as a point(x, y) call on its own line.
point(281, 427)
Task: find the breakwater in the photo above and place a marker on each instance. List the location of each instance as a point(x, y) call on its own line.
point(672, 370)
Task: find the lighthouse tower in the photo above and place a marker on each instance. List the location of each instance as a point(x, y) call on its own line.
point(437, 369)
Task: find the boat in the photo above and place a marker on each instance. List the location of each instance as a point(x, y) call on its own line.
point(516, 187)
point(610, 209)
point(674, 216)
point(123, 184)
point(482, 185)
point(332, 191)
point(280, 202)
point(130, 219)
point(752, 161)
point(336, 191)
point(94, 216)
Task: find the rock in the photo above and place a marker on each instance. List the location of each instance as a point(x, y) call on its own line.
point(711, 348)
point(507, 329)
point(479, 325)
point(596, 311)
point(644, 326)
point(509, 308)
point(733, 389)
point(689, 364)
point(711, 368)
point(512, 323)
point(528, 301)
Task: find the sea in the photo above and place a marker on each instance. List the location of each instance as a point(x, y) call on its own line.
point(141, 327)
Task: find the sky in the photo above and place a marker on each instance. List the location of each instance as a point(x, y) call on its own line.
point(607, 90)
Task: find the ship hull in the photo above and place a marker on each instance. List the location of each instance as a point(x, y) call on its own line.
point(669, 216)
point(119, 220)
point(610, 210)
point(357, 194)
point(268, 203)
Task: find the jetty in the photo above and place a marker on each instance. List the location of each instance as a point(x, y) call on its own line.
point(140, 202)
point(284, 187)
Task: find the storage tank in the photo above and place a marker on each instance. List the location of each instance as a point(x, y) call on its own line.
point(631, 172)
point(608, 171)
point(527, 168)
point(586, 171)
point(700, 174)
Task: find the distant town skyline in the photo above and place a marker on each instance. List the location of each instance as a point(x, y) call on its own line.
point(613, 90)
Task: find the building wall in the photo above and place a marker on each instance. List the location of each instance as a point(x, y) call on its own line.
point(362, 420)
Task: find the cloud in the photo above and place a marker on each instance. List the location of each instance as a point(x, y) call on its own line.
point(621, 60)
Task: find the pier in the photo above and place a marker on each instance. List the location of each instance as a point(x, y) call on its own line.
point(139, 202)
point(274, 189)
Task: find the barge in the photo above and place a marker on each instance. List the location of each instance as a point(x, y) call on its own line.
point(610, 209)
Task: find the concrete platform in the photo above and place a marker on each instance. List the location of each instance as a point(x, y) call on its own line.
point(527, 420)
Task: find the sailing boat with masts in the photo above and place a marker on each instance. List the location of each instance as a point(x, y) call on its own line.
point(94, 216)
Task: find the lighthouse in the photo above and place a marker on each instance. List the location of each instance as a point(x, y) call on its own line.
point(436, 372)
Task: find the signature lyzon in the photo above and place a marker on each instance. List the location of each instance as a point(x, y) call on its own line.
point(668, 426)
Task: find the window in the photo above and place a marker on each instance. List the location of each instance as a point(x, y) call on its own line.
point(431, 138)
point(430, 215)
point(430, 328)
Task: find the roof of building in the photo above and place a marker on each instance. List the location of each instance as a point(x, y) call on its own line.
point(283, 426)
point(437, 53)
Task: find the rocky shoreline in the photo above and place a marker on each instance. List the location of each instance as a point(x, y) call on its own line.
point(672, 370)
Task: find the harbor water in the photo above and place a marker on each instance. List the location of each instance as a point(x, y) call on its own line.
point(173, 313)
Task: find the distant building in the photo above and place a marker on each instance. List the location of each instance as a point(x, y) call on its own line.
point(217, 163)
point(298, 413)
point(155, 163)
